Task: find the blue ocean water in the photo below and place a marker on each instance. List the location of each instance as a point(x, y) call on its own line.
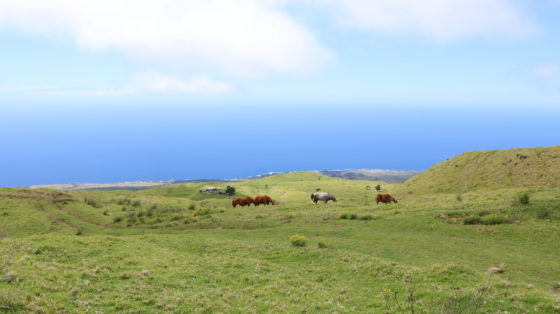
point(64, 144)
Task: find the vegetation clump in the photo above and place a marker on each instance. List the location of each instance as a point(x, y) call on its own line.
point(348, 216)
point(523, 198)
point(298, 240)
point(92, 202)
point(230, 190)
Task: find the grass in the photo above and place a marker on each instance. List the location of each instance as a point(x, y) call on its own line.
point(183, 252)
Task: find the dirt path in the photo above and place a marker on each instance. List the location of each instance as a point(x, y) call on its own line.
point(40, 207)
point(83, 219)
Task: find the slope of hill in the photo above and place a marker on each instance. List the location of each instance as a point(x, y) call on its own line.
point(389, 176)
point(512, 168)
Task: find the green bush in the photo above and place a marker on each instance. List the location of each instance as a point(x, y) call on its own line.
point(298, 240)
point(493, 220)
point(322, 245)
point(117, 219)
point(523, 198)
point(106, 212)
point(473, 220)
point(192, 207)
point(488, 220)
point(230, 190)
point(92, 203)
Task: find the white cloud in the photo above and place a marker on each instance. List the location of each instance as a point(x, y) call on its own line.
point(243, 37)
point(439, 19)
point(546, 71)
point(144, 83)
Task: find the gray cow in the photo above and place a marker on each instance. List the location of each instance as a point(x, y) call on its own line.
point(322, 196)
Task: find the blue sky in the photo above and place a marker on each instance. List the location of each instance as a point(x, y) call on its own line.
point(146, 90)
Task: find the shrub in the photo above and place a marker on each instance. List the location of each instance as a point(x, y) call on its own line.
point(131, 220)
point(543, 213)
point(106, 212)
point(150, 213)
point(117, 219)
point(474, 220)
point(298, 240)
point(140, 214)
point(523, 198)
point(347, 216)
point(230, 190)
point(136, 203)
point(493, 220)
point(92, 203)
point(366, 217)
point(322, 245)
point(79, 232)
point(192, 207)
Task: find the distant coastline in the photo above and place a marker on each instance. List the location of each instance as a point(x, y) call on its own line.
point(389, 176)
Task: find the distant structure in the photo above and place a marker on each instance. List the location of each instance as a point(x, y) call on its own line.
point(212, 189)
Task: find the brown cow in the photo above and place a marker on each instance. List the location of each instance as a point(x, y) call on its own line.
point(242, 201)
point(264, 199)
point(385, 198)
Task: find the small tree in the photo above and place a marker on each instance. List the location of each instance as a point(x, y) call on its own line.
point(230, 190)
point(378, 187)
point(317, 189)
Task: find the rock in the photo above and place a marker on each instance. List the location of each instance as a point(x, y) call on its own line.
point(495, 270)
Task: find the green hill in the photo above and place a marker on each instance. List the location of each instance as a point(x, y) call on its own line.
point(512, 168)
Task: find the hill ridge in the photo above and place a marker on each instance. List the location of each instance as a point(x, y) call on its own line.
point(509, 168)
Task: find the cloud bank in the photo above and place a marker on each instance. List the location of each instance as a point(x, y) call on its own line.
point(241, 37)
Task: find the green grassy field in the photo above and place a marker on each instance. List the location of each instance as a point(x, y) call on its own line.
point(175, 249)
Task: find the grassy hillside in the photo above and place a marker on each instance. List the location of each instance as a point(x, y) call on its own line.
point(175, 249)
point(518, 168)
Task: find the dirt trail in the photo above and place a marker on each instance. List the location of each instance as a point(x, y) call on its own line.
point(55, 217)
point(83, 219)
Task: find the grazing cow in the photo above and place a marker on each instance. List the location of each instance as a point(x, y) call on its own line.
point(242, 201)
point(322, 196)
point(385, 198)
point(264, 200)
